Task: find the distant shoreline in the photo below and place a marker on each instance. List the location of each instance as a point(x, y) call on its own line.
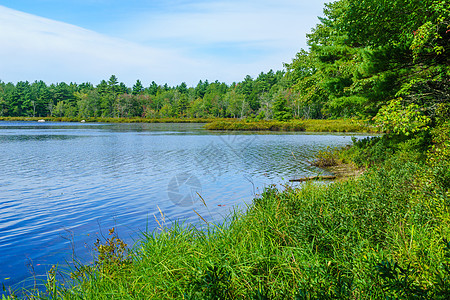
point(308, 125)
point(109, 120)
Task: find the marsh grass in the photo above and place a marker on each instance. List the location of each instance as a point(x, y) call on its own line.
point(244, 125)
point(339, 125)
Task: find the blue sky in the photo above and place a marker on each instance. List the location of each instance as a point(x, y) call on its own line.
point(163, 41)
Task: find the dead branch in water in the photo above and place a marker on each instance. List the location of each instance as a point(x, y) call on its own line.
point(320, 177)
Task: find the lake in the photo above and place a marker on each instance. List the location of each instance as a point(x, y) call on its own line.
point(62, 185)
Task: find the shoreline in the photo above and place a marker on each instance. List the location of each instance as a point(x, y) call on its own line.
point(217, 124)
point(106, 120)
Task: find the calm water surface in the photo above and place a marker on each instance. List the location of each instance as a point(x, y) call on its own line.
point(63, 184)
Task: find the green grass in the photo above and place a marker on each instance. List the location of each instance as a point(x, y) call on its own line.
point(340, 125)
point(256, 125)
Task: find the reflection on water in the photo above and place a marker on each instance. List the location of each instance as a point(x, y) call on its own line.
point(63, 184)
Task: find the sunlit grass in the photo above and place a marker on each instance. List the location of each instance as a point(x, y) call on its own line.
point(339, 125)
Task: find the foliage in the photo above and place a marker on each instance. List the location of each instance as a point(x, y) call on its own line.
point(112, 255)
point(280, 110)
point(365, 53)
point(112, 260)
point(371, 151)
point(113, 99)
point(395, 118)
point(400, 283)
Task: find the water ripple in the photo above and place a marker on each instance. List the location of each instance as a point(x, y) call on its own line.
point(63, 185)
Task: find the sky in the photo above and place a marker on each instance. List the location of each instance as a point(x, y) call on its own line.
point(166, 41)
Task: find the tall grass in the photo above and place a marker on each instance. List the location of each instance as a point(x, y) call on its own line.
point(256, 125)
point(340, 125)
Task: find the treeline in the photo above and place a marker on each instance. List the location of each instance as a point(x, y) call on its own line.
point(251, 97)
point(364, 55)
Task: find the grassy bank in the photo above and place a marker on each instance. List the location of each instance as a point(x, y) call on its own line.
point(340, 125)
point(382, 235)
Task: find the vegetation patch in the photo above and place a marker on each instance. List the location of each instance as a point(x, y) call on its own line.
point(340, 125)
point(256, 125)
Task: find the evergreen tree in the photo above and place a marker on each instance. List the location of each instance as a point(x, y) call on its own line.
point(281, 112)
point(138, 88)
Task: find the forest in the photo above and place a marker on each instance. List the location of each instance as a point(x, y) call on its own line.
point(362, 56)
point(111, 99)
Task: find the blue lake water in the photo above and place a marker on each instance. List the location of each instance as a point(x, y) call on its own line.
point(64, 184)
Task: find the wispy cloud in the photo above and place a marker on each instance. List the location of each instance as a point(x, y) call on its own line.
point(39, 48)
point(274, 25)
point(195, 40)
point(228, 21)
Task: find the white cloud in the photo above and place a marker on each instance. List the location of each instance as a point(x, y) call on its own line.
point(38, 48)
point(268, 22)
point(260, 34)
point(221, 40)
